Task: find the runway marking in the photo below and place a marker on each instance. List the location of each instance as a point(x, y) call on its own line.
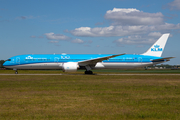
point(32, 74)
point(139, 74)
point(87, 74)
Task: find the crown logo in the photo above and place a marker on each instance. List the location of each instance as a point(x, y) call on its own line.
point(156, 46)
point(29, 57)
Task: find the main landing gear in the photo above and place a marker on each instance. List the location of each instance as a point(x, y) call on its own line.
point(88, 72)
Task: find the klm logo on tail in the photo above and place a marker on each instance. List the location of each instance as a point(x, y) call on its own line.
point(156, 48)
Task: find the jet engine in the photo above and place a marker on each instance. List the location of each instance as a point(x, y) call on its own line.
point(70, 67)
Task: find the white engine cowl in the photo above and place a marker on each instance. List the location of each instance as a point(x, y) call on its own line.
point(70, 67)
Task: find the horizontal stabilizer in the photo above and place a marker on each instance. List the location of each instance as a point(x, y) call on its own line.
point(162, 59)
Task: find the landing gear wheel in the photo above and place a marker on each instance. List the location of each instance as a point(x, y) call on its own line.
point(16, 72)
point(88, 72)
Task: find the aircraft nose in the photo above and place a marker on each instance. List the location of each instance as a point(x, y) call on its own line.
point(5, 64)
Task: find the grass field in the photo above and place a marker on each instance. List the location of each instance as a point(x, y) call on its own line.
point(89, 97)
point(106, 71)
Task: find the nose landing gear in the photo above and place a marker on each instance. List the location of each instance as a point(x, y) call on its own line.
point(16, 72)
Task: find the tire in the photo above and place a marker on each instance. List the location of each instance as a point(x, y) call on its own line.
point(88, 72)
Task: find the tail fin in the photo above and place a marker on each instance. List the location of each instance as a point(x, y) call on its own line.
point(157, 48)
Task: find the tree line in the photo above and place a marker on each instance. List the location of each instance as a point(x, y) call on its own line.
point(1, 63)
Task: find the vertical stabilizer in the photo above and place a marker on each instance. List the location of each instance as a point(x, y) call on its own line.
point(157, 48)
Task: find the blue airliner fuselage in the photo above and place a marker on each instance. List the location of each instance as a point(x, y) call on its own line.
point(59, 59)
point(72, 62)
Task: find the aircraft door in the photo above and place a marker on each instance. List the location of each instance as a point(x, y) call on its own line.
point(56, 59)
point(56, 63)
point(140, 59)
point(18, 60)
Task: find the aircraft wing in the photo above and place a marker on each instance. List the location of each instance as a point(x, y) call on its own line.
point(162, 59)
point(96, 60)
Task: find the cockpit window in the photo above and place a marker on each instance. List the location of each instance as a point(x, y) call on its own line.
point(8, 60)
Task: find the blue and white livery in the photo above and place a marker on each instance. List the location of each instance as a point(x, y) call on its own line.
point(72, 62)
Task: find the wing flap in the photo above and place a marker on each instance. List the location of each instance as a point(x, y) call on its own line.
point(96, 60)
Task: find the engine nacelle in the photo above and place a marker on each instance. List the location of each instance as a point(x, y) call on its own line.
point(70, 67)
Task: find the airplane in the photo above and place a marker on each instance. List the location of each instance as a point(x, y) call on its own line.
point(73, 62)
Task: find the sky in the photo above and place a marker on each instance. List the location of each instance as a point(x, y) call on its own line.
point(88, 27)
